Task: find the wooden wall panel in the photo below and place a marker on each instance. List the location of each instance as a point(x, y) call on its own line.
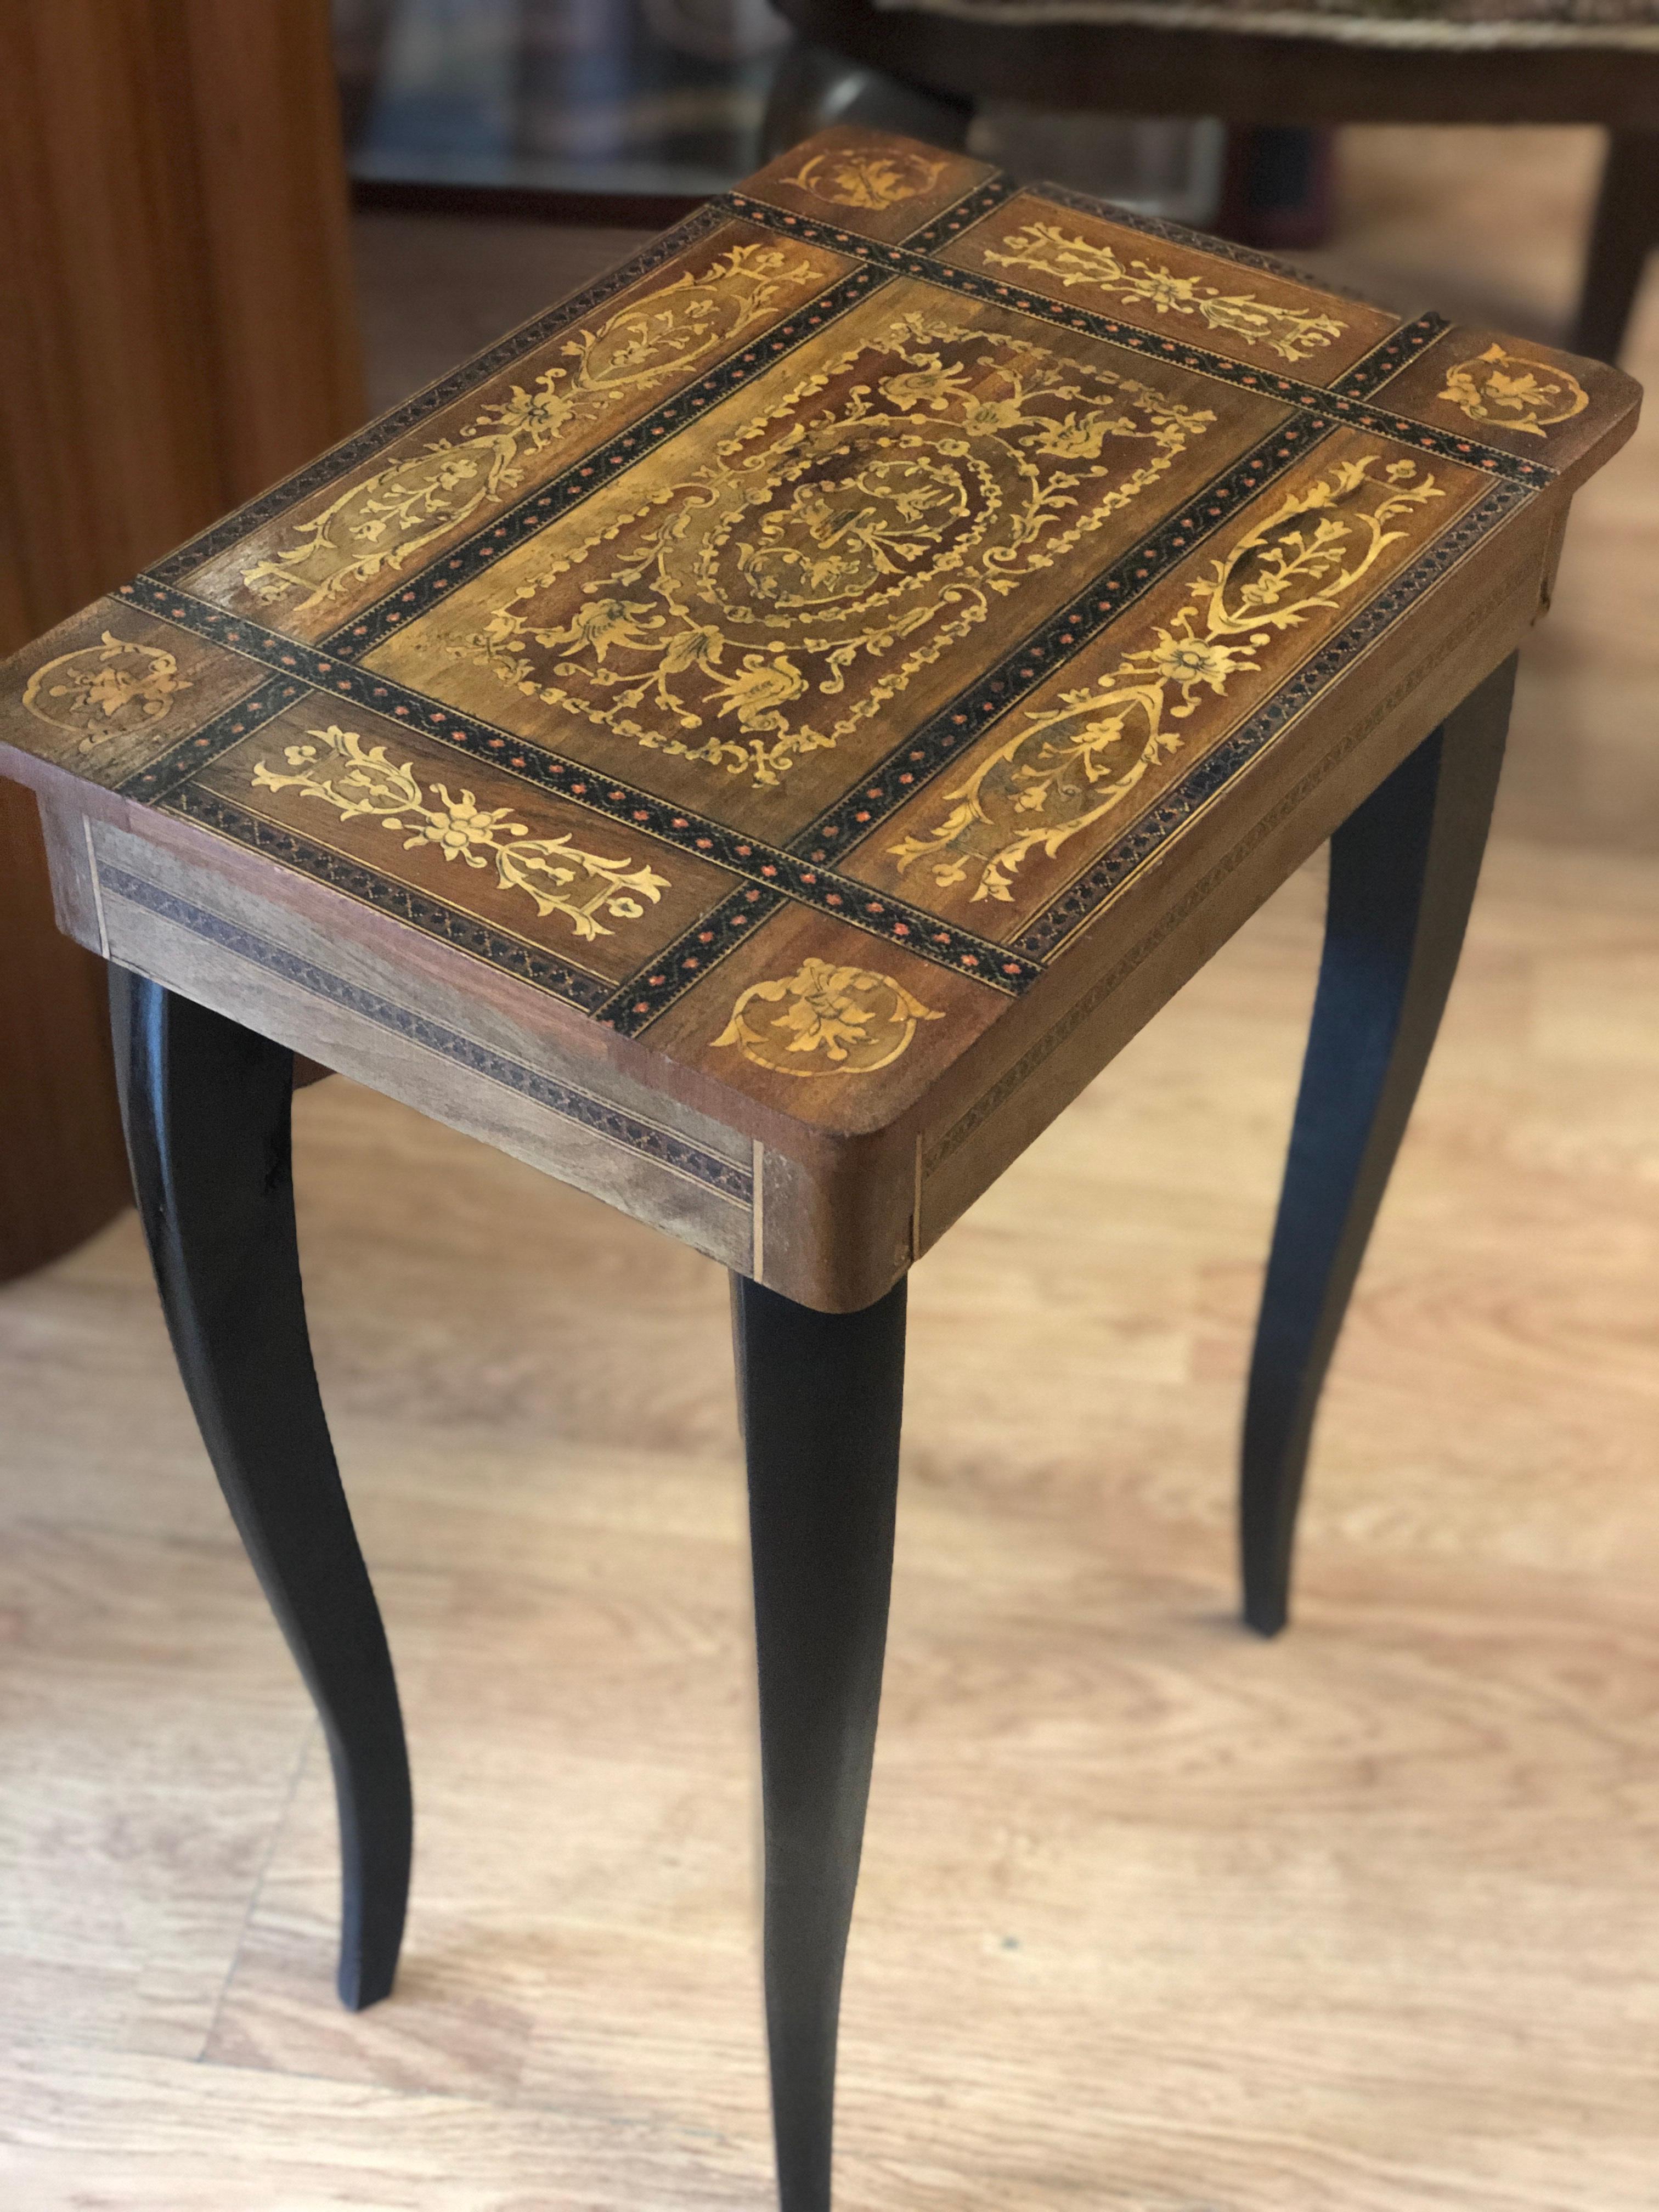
point(180, 331)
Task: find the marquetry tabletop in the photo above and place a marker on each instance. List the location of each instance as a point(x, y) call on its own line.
point(759, 738)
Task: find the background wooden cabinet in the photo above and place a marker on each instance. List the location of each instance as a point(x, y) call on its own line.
point(180, 331)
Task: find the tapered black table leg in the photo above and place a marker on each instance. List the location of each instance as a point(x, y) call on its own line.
point(821, 1396)
point(1403, 871)
point(206, 1104)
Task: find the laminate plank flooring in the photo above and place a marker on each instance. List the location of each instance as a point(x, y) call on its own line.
point(1154, 1917)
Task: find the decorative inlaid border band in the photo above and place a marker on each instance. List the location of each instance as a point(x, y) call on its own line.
point(1341, 405)
point(1385, 361)
point(921, 758)
point(239, 719)
point(663, 1147)
point(299, 667)
point(363, 445)
point(651, 991)
point(770, 868)
point(973, 207)
point(429, 586)
point(1075, 906)
point(403, 903)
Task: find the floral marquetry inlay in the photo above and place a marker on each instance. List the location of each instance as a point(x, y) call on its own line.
point(872, 178)
point(1292, 333)
point(377, 525)
point(767, 603)
point(362, 782)
point(834, 672)
point(106, 691)
point(825, 1020)
point(1072, 764)
point(1512, 392)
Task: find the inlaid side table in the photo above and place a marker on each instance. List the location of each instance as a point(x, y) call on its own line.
point(754, 743)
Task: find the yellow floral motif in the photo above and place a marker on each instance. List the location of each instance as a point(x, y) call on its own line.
point(557, 875)
point(1291, 332)
point(868, 177)
point(375, 525)
point(106, 691)
point(1067, 767)
point(815, 548)
point(858, 1021)
point(1513, 394)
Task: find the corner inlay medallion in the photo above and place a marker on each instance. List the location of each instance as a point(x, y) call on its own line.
point(105, 691)
point(868, 177)
point(557, 875)
point(828, 1021)
point(1512, 392)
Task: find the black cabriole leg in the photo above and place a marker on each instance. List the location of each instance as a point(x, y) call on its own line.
point(821, 1396)
point(1403, 871)
point(207, 1107)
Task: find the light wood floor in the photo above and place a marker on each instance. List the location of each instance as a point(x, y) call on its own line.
point(1154, 1917)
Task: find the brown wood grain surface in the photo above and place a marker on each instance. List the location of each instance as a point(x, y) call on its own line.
point(178, 330)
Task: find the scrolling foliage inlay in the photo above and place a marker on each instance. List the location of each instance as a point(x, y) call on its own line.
point(1292, 333)
point(376, 526)
point(780, 595)
point(857, 1020)
point(362, 782)
point(1072, 764)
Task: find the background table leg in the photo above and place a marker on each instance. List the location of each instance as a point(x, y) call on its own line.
point(813, 89)
point(1403, 873)
point(206, 1105)
point(1623, 233)
point(821, 1395)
